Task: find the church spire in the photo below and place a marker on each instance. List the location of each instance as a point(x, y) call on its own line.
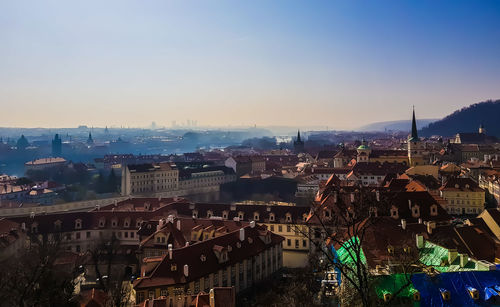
point(298, 136)
point(414, 134)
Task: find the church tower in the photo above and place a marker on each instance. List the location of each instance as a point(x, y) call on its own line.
point(298, 145)
point(415, 148)
point(481, 129)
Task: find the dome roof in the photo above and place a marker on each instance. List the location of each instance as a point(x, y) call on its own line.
point(363, 146)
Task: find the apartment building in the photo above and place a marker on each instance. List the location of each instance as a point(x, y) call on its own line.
point(149, 178)
point(238, 259)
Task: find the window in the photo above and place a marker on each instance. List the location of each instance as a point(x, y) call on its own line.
point(88, 234)
point(126, 223)
point(164, 292)
point(304, 243)
point(151, 295)
point(256, 216)
point(272, 228)
point(280, 228)
point(288, 228)
point(102, 222)
point(77, 235)
point(132, 234)
point(140, 297)
point(288, 242)
point(78, 224)
point(296, 243)
point(271, 217)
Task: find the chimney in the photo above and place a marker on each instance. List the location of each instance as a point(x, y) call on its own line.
point(430, 226)
point(420, 241)
point(178, 224)
point(212, 298)
point(170, 251)
point(377, 194)
point(186, 270)
point(464, 259)
point(252, 224)
point(420, 220)
point(403, 224)
point(242, 234)
point(452, 255)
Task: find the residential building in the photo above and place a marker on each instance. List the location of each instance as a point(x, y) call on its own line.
point(149, 178)
point(464, 196)
point(237, 259)
point(45, 163)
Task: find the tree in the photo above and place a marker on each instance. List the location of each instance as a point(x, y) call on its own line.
point(34, 278)
point(340, 223)
point(111, 273)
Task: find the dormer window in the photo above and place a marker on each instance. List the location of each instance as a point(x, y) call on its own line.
point(203, 258)
point(271, 217)
point(467, 186)
point(126, 223)
point(288, 217)
point(102, 222)
point(415, 211)
point(394, 212)
point(434, 210)
point(78, 224)
point(34, 227)
point(327, 213)
point(138, 223)
point(209, 213)
point(225, 214)
point(256, 216)
point(240, 215)
point(114, 222)
point(195, 214)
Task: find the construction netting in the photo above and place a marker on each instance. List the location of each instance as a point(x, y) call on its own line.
point(471, 288)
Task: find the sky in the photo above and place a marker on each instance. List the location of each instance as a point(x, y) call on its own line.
point(337, 64)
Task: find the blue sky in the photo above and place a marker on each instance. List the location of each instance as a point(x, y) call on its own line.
point(340, 64)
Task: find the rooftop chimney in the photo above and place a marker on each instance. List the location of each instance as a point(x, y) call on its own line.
point(170, 251)
point(420, 220)
point(179, 224)
point(403, 224)
point(186, 270)
point(242, 234)
point(377, 194)
point(420, 241)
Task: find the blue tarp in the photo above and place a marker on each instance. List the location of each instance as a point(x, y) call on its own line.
point(457, 283)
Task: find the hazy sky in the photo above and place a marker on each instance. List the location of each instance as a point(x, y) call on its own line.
point(339, 64)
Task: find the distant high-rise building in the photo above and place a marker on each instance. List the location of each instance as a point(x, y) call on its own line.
point(298, 145)
point(56, 146)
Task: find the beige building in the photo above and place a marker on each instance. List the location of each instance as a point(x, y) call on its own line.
point(236, 259)
point(149, 178)
point(463, 195)
point(45, 163)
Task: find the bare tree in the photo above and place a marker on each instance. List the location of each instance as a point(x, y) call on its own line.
point(109, 261)
point(33, 278)
point(340, 221)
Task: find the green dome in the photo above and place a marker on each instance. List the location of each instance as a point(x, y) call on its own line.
point(363, 147)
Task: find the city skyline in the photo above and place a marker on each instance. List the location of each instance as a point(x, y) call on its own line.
point(283, 63)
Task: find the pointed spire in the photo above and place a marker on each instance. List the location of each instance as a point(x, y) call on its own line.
point(298, 135)
point(414, 134)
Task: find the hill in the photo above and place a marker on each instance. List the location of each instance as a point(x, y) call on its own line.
point(468, 119)
point(397, 125)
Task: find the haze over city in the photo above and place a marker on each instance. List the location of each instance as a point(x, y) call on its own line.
point(339, 64)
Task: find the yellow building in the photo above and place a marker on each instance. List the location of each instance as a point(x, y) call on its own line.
point(463, 196)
